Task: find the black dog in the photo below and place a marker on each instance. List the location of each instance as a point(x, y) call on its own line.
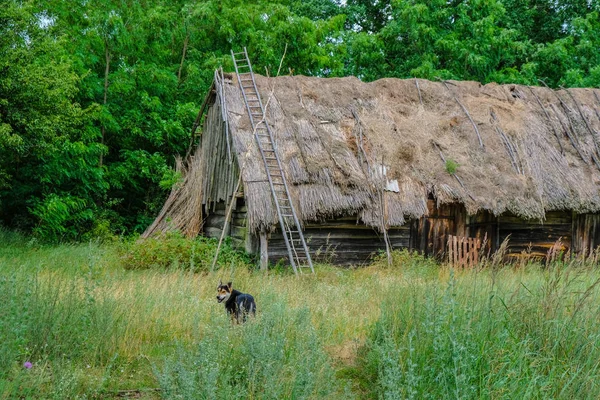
point(238, 305)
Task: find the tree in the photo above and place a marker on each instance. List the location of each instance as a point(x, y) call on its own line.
point(48, 151)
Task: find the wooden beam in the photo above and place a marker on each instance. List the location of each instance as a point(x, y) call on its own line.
point(264, 251)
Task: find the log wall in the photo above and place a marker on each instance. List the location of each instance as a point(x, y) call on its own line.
point(237, 228)
point(341, 241)
point(484, 226)
point(532, 238)
point(526, 238)
point(586, 233)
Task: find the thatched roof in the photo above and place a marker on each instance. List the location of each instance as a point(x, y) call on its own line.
point(515, 156)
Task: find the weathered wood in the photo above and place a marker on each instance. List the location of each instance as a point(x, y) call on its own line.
point(239, 232)
point(533, 236)
point(212, 232)
point(463, 251)
point(586, 233)
point(264, 251)
point(217, 221)
point(342, 244)
point(484, 226)
point(226, 223)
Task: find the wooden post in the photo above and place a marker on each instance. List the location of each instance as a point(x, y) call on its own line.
point(264, 251)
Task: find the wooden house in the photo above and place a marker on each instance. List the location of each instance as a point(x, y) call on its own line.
point(407, 162)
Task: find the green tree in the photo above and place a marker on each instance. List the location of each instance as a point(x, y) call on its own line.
point(48, 144)
point(459, 40)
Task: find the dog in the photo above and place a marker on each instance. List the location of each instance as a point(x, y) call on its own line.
point(237, 304)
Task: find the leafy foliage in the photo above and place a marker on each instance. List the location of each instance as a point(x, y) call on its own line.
point(177, 251)
point(98, 98)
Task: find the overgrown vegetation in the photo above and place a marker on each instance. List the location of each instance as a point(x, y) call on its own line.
point(415, 329)
point(97, 98)
point(177, 251)
point(487, 337)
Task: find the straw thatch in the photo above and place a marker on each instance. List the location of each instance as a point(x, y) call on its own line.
point(500, 148)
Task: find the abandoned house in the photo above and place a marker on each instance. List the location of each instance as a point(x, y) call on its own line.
point(397, 164)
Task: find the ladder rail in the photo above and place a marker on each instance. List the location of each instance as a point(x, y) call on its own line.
point(293, 208)
point(287, 190)
point(281, 221)
point(285, 226)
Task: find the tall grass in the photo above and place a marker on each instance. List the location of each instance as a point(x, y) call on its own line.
point(504, 334)
point(278, 355)
point(92, 328)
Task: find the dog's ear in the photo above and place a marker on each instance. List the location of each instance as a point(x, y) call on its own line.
point(229, 285)
point(220, 283)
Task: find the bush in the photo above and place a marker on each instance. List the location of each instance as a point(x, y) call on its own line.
point(177, 251)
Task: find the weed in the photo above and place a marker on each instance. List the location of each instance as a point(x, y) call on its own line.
point(451, 166)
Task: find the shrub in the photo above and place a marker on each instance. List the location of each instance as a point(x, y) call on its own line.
point(175, 250)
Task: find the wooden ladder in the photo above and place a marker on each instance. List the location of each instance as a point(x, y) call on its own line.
point(291, 228)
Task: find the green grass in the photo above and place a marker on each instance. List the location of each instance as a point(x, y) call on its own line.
point(94, 329)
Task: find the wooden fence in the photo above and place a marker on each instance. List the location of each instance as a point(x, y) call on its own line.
point(462, 251)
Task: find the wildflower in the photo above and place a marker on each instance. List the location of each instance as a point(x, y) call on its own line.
point(27, 365)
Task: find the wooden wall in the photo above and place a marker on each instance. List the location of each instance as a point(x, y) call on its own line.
point(237, 229)
point(586, 233)
point(532, 238)
point(484, 226)
point(429, 234)
point(220, 171)
point(341, 241)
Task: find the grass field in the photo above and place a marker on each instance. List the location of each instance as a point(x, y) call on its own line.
point(92, 328)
